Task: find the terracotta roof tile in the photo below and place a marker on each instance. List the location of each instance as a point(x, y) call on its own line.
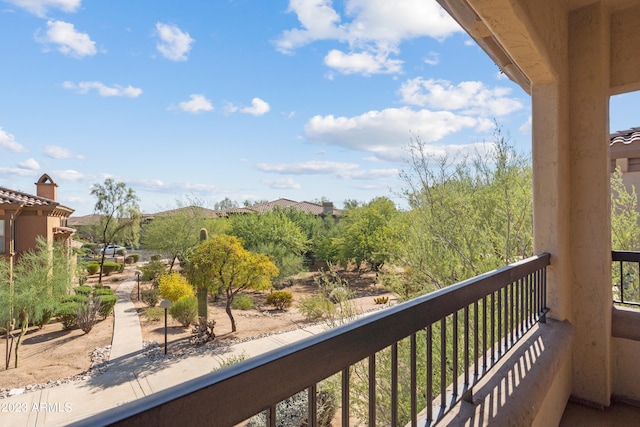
point(625, 136)
point(12, 197)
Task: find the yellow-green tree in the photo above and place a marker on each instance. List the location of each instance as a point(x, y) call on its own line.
point(223, 264)
point(174, 286)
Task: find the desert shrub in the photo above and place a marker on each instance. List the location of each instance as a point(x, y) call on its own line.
point(121, 252)
point(150, 297)
point(129, 259)
point(136, 257)
point(339, 294)
point(293, 411)
point(232, 360)
point(152, 270)
point(242, 302)
point(153, 314)
point(174, 286)
point(86, 315)
point(79, 298)
point(381, 300)
point(156, 257)
point(45, 318)
point(315, 307)
point(202, 331)
point(91, 247)
point(102, 291)
point(82, 290)
point(109, 267)
point(120, 267)
point(185, 310)
point(280, 299)
point(67, 314)
point(105, 303)
point(82, 279)
point(92, 268)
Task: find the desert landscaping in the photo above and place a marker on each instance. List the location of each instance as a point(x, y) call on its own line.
point(52, 356)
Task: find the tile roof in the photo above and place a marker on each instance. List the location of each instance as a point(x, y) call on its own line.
point(12, 197)
point(625, 136)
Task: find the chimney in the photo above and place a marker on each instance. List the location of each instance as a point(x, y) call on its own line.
point(327, 208)
point(45, 187)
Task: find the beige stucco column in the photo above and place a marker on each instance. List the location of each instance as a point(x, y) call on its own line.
point(590, 223)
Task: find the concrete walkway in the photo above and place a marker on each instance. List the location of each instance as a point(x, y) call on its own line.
point(131, 374)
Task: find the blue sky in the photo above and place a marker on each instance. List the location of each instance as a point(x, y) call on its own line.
point(245, 99)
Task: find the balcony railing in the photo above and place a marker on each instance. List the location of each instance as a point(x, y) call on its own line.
point(416, 360)
point(626, 277)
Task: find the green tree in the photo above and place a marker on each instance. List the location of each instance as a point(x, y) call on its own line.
point(467, 216)
point(368, 234)
point(275, 235)
point(32, 288)
point(117, 207)
point(175, 232)
point(625, 228)
point(223, 264)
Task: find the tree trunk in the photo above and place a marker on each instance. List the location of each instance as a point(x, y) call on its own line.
point(23, 330)
point(228, 310)
point(202, 302)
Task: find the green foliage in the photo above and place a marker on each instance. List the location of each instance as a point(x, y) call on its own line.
point(281, 300)
point(136, 257)
point(242, 302)
point(82, 290)
point(153, 314)
point(150, 297)
point(109, 267)
point(368, 234)
point(468, 215)
point(274, 235)
point(92, 268)
point(102, 291)
point(625, 228)
point(79, 298)
point(86, 316)
point(232, 360)
point(315, 307)
point(185, 310)
point(222, 264)
point(106, 303)
point(67, 314)
point(156, 258)
point(174, 286)
point(152, 270)
point(117, 207)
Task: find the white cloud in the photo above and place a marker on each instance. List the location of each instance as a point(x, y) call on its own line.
point(282, 184)
point(304, 168)
point(196, 104)
point(258, 107)
point(30, 164)
point(385, 133)
point(56, 152)
point(22, 172)
point(8, 141)
point(369, 174)
point(69, 41)
point(471, 97)
point(40, 7)
point(72, 175)
point(526, 126)
point(104, 90)
point(432, 59)
point(365, 63)
point(174, 43)
point(373, 29)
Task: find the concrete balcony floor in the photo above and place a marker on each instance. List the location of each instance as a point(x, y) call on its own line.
point(617, 415)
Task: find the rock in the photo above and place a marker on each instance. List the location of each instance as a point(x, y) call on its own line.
point(16, 391)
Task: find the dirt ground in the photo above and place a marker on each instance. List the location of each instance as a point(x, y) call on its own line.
point(52, 354)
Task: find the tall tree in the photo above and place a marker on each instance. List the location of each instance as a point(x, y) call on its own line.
point(222, 263)
point(117, 206)
point(30, 291)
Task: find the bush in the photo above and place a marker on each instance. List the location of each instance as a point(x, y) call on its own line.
point(153, 314)
point(381, 300)
point(156, 257)
point(280, 299)
point(82, 299)
point(106, 304)
point(82, 290)
point(45, 318)
point(86, 316)
point(173, 286)
point(121, 252)
point(109, 267)
point(120, 267)
point(152, 270)
point(92, 268)
point(315, 307)
point(67, 314)
point(150, 297)
point(185, 310)
point(129, 259)
point(102, 291)
point(202, 331)
point(136, 257)
point(242, 302)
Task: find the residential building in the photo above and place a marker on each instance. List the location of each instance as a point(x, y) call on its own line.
point(24, 217)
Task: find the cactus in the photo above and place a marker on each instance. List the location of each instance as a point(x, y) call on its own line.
point(202, 291)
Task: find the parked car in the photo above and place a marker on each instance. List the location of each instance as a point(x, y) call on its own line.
point(111, 249)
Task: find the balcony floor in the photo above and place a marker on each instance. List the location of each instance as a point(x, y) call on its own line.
point(618, 414)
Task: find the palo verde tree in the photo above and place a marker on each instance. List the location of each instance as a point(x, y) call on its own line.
point(223, 264)
point(32, 288)
point(117, 207)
